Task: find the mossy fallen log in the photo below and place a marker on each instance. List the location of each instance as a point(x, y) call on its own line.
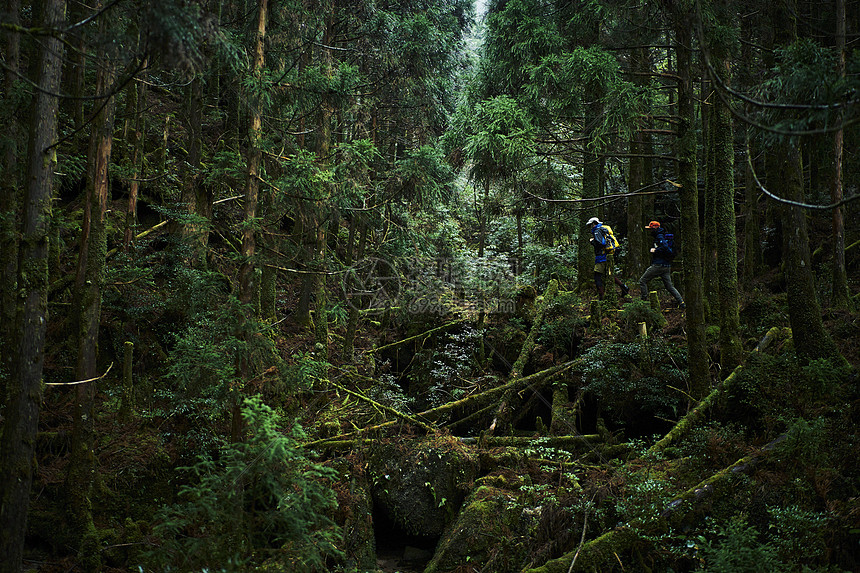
point(694, 416)
point(510, 399)
point(423, 335)
point(595, 554)
point(522, 441)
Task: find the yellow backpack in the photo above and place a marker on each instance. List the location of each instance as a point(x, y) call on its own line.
point(611, 242)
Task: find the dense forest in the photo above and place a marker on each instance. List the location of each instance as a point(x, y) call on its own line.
point(316, 286)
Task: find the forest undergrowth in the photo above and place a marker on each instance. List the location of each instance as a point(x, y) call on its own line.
point(402, 457)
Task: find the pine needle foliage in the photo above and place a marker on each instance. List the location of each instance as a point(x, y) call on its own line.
point(258, 503)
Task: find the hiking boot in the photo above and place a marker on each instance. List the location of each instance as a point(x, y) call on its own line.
point(625, 290)
point(682, 305)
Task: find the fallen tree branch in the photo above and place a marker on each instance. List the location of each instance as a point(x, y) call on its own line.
point(424, 334)
point(537, 379)
point(406, 417)
point(688, 422)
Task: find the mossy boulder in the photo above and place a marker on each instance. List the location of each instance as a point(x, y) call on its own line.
point(421, 483)
point(503, 527)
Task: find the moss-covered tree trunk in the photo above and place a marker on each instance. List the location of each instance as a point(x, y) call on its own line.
point(687, 178)
point(697, 357)
point(731, 350)
point(753, 236)
point(10, 177)
point(638, 178)
point(88, 299)
point(193, 230)
point(136, 105)
point(811, 340)
point(17, 443)
point(323, 147)
point(590, 190)
point(353, 303)
point(710, 273)
point(841, 294)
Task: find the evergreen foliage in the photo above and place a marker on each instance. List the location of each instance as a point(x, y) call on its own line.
point(255, 503)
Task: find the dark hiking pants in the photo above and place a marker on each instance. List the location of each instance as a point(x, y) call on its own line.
point(665, 273)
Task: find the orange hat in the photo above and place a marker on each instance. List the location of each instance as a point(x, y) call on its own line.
point(653, 225)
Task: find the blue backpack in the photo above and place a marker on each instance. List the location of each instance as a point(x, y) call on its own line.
point(671, 247)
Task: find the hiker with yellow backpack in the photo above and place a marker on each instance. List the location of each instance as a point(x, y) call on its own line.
point(605, 244)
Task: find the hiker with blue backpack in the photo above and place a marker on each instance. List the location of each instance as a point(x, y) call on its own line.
point(605, 244)
point(662, 254)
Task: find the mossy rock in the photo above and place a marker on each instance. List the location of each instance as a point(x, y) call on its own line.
point(509, 523)
point(420, 483)
point(489, 531)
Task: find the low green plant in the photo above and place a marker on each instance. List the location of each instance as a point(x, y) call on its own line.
point(262, 500)
point(798, 534)
point(735, 547)
point(638, 311)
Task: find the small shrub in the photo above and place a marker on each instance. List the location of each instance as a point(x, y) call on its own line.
point(735, 548)
point(259, 500)
point(634, 382)
point(640, 311)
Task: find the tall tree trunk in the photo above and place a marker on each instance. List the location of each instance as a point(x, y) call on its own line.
point(483, 215)
point(192, 229)
point(138, 96)
point(17, 443)
point(752, 262)
point(697, 357)
point(321, 217)
point(637, 247)
point(725, 238)
point(302, 313)
point(841, 294)
point(88, 298)
point(709, 240)
point(76, 68)
point(590, 190)
point(10, 178)
point(353, 302)
point(811, 340)
point(247, 270)
point(753, 236)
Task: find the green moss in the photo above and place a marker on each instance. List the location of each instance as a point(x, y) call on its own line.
point(420, 484)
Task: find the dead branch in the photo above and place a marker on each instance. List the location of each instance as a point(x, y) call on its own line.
point(423, 335)
point(537, 379)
